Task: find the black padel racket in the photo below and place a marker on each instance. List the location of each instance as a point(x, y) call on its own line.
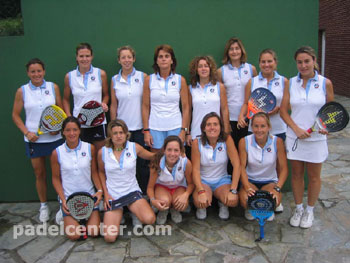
point(91, 114)
point(51, 119)
point(261, 99)
point(332, 117)
point(80, 205)
point(261, 206)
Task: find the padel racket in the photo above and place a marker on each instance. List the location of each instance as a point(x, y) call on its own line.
point(80, 205)
point(261, 99)
point(261, 206)
point(331, 117)
point(91, 114)
point(51, 119)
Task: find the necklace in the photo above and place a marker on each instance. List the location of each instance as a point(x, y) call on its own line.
point(168, 167)
point(119, 149)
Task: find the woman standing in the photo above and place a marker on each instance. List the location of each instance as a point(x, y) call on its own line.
point(210, 155)
point(170, 184)
point(306, 94)
point(126, 104)
point(74, 170)
point(117, 170)
point(162, 93)
point(86, 83)
point(260, 154)
point(235, 73)
point(34, 97)
point(268, 78)
point(206, 95)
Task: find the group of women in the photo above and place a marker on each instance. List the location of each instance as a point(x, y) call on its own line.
point(161, 112)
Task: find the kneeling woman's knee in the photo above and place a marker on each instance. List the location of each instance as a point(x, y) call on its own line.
point(149, 219)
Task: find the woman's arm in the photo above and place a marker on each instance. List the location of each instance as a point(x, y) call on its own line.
point(244, 108)
point(58, 96)
point(56, 180)
point(255, 72)
point(243, 156)
point(234, 159)
point(105, 94)
point(143, 153)
point(196, 160)
point(300, 133)
point(219, 75)
point(185, 108)
point(66, 95)
point(188, 135)
point(102, 177)
point(146, 111)
point(224, 109)
point(114, 103)
point(329, 91)
point(282, 163)
point(277, 108)
point(95, 177)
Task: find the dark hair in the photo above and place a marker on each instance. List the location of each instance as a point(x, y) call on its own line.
point(222, 135)
point(310, 51)
point(194, 70)
point(83, 46)
point(263, 115)
point(68, 120)
point(111, 125)
point(226, 59)
point(156, 159)
point(168, 49)
point(268, 51)
point(35, 61)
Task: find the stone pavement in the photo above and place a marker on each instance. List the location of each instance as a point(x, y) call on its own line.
point(211, 240)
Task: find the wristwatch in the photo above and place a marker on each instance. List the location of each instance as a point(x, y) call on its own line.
point(277, 189)
point(184, 129)
point(233, 191)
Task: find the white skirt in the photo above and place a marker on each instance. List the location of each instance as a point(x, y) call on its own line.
point(307, 151)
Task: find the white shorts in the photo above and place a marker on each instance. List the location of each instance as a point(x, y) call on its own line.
point(307, 151)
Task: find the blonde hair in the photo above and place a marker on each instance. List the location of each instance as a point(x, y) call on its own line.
point(262, 115)
point(119, 50)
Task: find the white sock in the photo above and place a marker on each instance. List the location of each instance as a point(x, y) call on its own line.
point(299, 206)
point(43, 204)
point(310, 209)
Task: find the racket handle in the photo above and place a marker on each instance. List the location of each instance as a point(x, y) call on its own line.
point(261, 232)
point(246, 120)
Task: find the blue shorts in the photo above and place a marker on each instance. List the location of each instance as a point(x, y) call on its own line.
point(216, 184)
point(93, 134)
point(260, 184)
point(125, 200)
point(159, 136)
point(34, 150)
point(281, 135)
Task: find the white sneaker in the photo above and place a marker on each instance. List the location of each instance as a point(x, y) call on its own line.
point(59, 217)
point(162, 217)
point(296, 217)
point(135, 220)
point(271, 218)
point(248, 215)
point(201, 213)
point(306, 220)
point(175, 216)
point(44, 214)
point(223, 211)
point(279, 209)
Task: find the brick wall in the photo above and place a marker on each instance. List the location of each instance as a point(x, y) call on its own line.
point(334, 19)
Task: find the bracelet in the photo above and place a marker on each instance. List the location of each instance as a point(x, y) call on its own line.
point(151, 199)
point(201, 192)
point(100, 190)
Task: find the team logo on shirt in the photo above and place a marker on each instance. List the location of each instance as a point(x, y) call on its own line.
point(179, 169)
point(136, 80)
point(268, 149)
point(220, 149)
point(212, 90)
point(47, 92)
point(128, 154)
point(316, 85)
point(93, 78)
point(277, 83)
point(173, 83)
point(246, 72)
point(83, 154)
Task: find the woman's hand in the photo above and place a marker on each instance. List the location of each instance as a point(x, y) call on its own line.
point(104, 107)
point(275, 110)
point(323, 131)
point(64, 207)
point(159, 204)
point(301, 134)
point(32, 137)
point(98, 195)
point(106, 203)
point(54, 133)
point(231, 199)
point(241, 122)
point(203, 200)
point(148, 139)
point(275, 195)
point(188, 140)
point(181, 202)
point(250, 191)
point(182, 136)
